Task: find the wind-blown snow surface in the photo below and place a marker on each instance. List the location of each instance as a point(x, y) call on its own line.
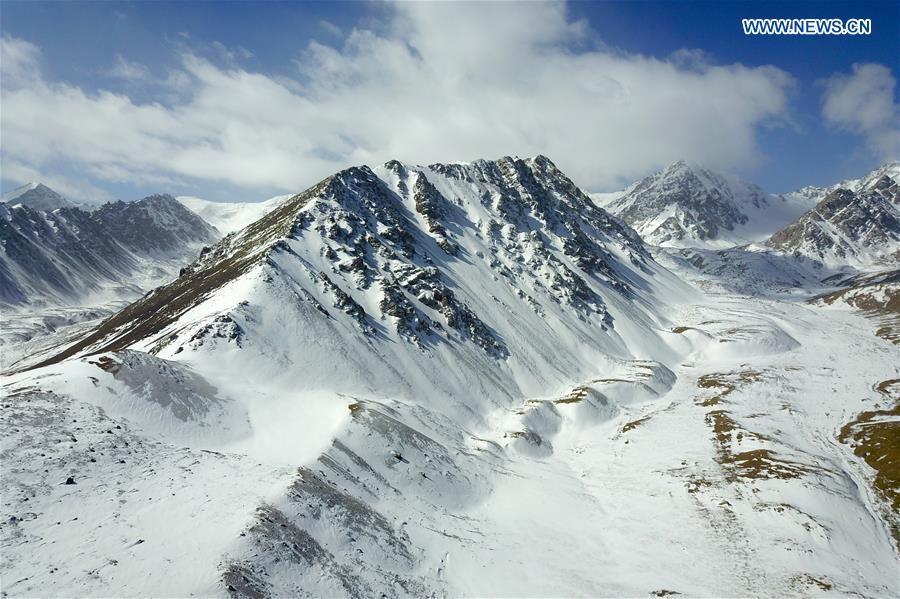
point(456, 379)
point(229, 217)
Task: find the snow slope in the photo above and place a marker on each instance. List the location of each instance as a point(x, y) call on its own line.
point(229, 217)
point(658, 481)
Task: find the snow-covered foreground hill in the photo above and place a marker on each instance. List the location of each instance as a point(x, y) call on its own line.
point(719, 474)
point(459, 380)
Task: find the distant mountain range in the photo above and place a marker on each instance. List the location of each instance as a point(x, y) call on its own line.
point(817, 194)
point(687, 205)
point(55, 253)
point(853, 223)
point(58, 252)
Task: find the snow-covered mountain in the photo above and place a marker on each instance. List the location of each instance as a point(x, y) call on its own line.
point(36, 196)
point(229, 217)
point(455, 380)
point(68, 255)
point(687, 205)
point(471, 263)
point(858, 225)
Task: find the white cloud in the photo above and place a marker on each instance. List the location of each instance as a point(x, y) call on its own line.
point(128, 70)
point(435, 82)
point(863, 102)
point(20, 61)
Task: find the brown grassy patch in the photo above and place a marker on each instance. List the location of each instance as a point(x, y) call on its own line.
point(576, 395)
point(890, 333)
point(807, 580)
point(634, 424)
point(761, 464)
point(695, 483)
point(887, 388)
point(726, 383)
point(753, 464)
point(722, 425)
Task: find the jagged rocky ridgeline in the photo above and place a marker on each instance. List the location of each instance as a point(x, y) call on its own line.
point(853, 224)
point(482, 257)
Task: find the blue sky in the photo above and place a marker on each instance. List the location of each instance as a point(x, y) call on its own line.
point(241, 101)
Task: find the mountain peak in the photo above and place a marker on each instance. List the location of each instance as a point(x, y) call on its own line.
point(9, 195)
point(678, 165)
point(429, 257)
point(685, 166)
point(160, 197)
point(687, 204)
point(37, 196)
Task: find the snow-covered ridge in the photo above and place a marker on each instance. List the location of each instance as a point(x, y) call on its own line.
point(445, 258)
point(857, 225)
point(816, 193)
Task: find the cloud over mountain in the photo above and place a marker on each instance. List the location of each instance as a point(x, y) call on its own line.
point(427, 82)
point(863, 102)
